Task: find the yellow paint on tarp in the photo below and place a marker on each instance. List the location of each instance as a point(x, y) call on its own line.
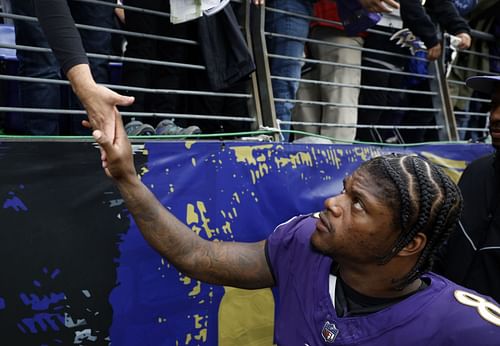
point(189, 144)
point(261, 171)
point(254, 196)
point(186, 280)
point(203, 210)
point(236, 197)
point(192, 216)
point(193, 161)
point(254, 178)
point(202, 335)
point(246, 317)
point(454, 168)
point(226, 228)
point(246, 153)
point(295, 160)
point(444, 162)
point(364, 153)
point(195, 214)
point(196, 290)
point(197, 321)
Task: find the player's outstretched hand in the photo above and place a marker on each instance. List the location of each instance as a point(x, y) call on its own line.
point(116, 155)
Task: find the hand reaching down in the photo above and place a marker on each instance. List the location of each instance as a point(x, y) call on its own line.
point(99, 102)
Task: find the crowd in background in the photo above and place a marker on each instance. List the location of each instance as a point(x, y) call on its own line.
point(339, 53)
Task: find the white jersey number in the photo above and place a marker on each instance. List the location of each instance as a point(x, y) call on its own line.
point(487, 310)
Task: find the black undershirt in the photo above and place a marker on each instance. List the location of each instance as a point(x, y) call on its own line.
point(349, 302)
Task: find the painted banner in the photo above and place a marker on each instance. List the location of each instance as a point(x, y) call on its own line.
point(75, 269)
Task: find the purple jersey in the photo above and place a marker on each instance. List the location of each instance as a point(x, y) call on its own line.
point(442, 314)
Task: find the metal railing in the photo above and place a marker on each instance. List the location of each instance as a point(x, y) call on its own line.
point(445, 103)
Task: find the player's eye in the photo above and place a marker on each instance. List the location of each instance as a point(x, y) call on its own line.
point(357, 204)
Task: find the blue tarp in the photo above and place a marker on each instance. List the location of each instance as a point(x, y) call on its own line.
point(224, 191)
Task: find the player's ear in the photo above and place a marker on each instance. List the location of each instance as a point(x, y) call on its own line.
point(415, 246)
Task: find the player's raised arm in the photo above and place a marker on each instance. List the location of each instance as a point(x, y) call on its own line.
point(241, 265)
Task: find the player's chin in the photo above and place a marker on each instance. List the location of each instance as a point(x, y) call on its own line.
point(318, 241)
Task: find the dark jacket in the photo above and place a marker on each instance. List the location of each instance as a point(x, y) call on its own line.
point(59, 28)
point(224, 50)
point(472, 254)
point(420, 21)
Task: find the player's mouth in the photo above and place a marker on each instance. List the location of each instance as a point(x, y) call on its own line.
point(323, 224)
point(495, 129)
point(495, 132)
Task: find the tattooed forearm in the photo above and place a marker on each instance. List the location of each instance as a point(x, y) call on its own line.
point(226, 263)
point(235, 264)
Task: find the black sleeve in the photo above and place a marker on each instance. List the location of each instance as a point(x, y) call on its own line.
point(418, 21)
point(59, 28)
point(447, 16)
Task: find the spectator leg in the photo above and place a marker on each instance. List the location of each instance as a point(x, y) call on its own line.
point(337, 74)
point(307, 112)
point(36, 65)
point(298, 27)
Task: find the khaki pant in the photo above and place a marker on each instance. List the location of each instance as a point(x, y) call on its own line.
point(328, 93)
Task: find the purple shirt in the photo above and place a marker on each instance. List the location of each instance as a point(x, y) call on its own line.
point(442, 314)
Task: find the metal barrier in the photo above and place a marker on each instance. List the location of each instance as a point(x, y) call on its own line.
point(439, 110)
point(442, 103)
point(249, 120)
point(471, 108)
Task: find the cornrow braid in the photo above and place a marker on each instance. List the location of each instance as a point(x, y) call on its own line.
point(428, 196)
point(429, 203)
point(403, 192)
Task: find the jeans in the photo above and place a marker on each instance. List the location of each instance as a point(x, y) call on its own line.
point(37, 65)
point(45, 65)
point(286, 24)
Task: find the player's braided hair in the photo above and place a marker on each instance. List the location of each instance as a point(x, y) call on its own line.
point(427, 199)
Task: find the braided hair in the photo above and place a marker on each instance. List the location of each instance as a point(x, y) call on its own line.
point(428, 202)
